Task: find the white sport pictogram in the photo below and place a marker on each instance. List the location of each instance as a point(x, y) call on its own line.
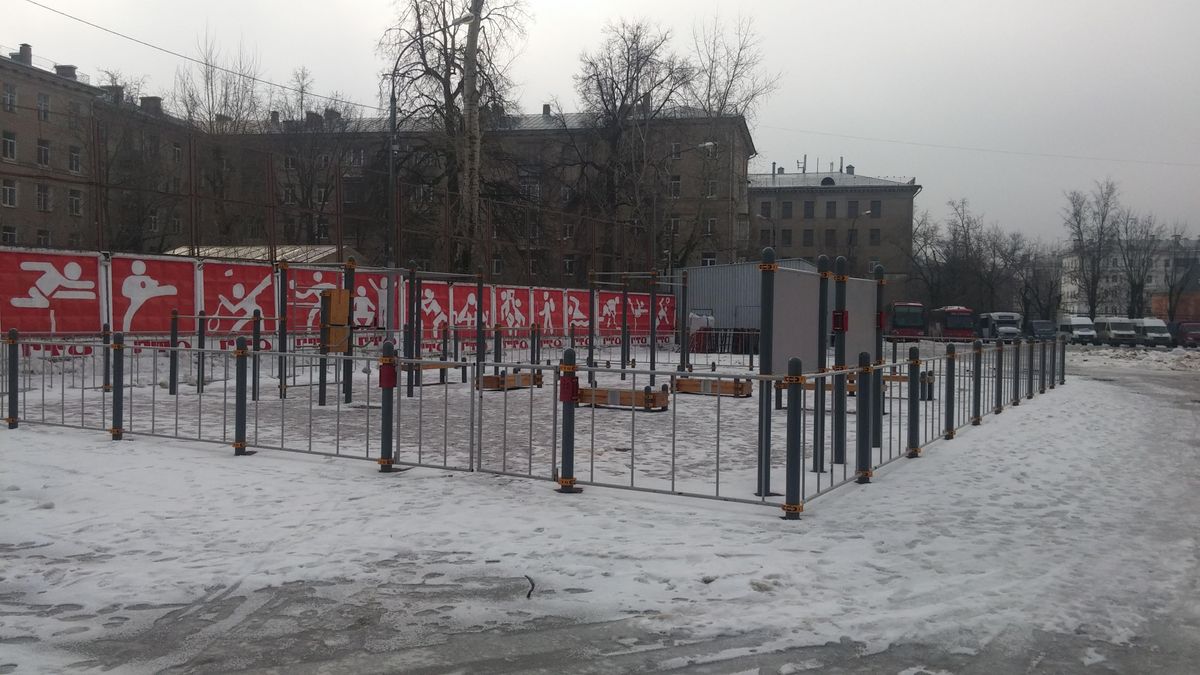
point(664, 312)
point(546, 313)
point(608, 313)
point(575, 316)
point(364, 309)
point(432, 313)
point(64, 285)
point(510, 308)
point(138, 288)
point(313, 294)
point(243, 304)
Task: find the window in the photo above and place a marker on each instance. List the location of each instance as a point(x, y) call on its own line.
point(852, 208)
point(43, 107)
point(764, 209)
point(785, 237)
point(873, 236)
point(176, 225)
point(495, 230)
point(531, 188)
point(711, 191)
point(289, 194)
point(152, 222)
point(43, 238)
point(831, 209)
point(568, 231)
point(676, 150)
point(673, 225)
point(10, 98)
point(175, 184)
point(569, 264)
point(75, 240)
point(497, 265)
point(830, 238)
point(852, 237)
point(43, 152)
point(673, 187)
point(533, 266)
point(8, 234)
point(322, 228)
point(810, 209)
point(807, 237)
point(8, 145)
point(75, 202)
point(8, 192)
point(177, 153)
point(43, 197)
point(322, 194)
point(764, 237)
point(710, 148)
point(74, 163)
point(322, 161)
point(289, 163)
point(785, 210)
point(73, 114)
point(708, 259)
point(357, 157)
point(566, 194)
point(710, 227)
point(876, 208)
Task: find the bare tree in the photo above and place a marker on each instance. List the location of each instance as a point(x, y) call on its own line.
point(1039, 277)
point(1139, 243)
point(1183, 269)
point(1091, 222)
point(728, 76)
point(221, 94)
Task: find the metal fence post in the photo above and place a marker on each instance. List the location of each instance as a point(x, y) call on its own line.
point(239, 398)
point(568, 392)
point(839, 360)
point(281, 330)
point(445, 355)
point(1016, 375)
point(681, 315)
point(348, 362)
point(1042, 368)
point(200, 344)
point(766, 302)
point(387, 384)
point(977, 384)
point(14, 380)
point(1062, 362)
point(1053, 363)
point(497, 350)
point(591, 359)
point(1029, 372)
point(877, 390)
point(173, 356)
point(792, 504)
point(480, 338)
point(255, 341)
point(625, 347)
point(409, 324)
point(106, 340)
point(653, 324)
point(118, 382)
point(818, 459)
point(862, 418)
point(914, 406)
point(951, 387)
point(999, 407)
point(323, 362)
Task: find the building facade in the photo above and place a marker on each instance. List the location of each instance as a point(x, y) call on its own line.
point(1176, 265)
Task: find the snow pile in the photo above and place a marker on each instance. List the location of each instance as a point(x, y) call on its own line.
point(1125, 357)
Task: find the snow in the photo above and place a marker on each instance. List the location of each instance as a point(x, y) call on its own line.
point(1125, 357)
point(100, 540)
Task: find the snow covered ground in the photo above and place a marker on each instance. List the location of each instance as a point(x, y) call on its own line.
point(1063, 529)
point(1126, 357)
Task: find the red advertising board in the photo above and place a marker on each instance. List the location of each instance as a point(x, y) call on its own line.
point(433, 303)
point(664, 315)
point(576, 311)
point(548, 310)
point(232, 291)
point(639, 314)
point(513, 307)
point(145, 290)
point(49, 293)
point(304, 296)
point(608, 308)
point(465, 306)
point(368, 300)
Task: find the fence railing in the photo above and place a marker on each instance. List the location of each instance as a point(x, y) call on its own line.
point(719, 432)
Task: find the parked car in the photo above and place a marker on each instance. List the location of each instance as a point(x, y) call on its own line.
point(1152, 332)
point(1115, 331)
point(1186, 333)
point(1040, 329)
point(1005, 326)
point(1078, 329)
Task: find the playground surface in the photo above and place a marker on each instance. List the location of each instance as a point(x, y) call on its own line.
point(1055, 542)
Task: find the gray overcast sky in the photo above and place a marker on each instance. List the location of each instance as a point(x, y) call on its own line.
point(1099, 78)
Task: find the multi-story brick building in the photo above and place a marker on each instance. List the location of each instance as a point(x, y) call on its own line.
point(868, 220)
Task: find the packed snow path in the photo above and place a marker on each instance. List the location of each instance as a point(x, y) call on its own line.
point(1058, 537)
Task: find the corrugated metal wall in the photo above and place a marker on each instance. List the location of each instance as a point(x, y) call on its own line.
point(729, 293)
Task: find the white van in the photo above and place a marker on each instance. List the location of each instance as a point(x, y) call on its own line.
point(1152, 332)
point(1115, 331)
point(1078, 329)
point(1004, 326)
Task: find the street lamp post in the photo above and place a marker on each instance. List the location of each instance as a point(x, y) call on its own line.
point(851, 245)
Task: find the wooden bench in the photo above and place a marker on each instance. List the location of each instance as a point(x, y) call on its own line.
point(510, 381)
point(646, 399)
point(712, 387)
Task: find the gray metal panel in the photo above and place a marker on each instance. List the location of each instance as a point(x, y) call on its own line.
point(730, 293)
point(860, 303)
point(795, 331)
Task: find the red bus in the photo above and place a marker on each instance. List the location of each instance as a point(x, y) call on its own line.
point(954, 322)
point(906, 320)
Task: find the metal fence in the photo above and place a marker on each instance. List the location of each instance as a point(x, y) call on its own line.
point(719, 431)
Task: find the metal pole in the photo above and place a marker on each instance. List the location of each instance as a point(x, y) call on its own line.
point(999, 407)
point(256, 340)
point(839, 361)
point(348, 363)
point(239, 398)
point(977, 384)
point(914, 406)
point(1016, 374)
point(681, 315)
point(568, 393)
point(862, 418)
point(281, 331)
point(322, 376)
point(200, 335)
point(480, 338)
point(818, 458)
point(14, 380)
point(1062, 362)
point(1053, 364)
point(766, 301)
point(497, 350)
point(951, 387)
point(118, 381)
point(409, 336)
point(1029, 372)
point(792, 504)
point(625, 350)
point(877, 385)
point(106, 340)
point(653, 323)
point(591, 360)
point(1042, 369)
point(387, 382)
point(173, 356)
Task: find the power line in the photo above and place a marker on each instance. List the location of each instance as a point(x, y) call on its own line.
point(999, 151)
point(199, 62)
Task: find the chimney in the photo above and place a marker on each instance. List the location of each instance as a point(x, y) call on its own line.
point(152, 105)
point(805, 169)
point(841, 161)
point(772, 168)
point(25, 55)
point(274, 118)
point(65, 71)
point(312, 119)
point(850, 169)
point(115, 93)
point(780, 171)
point(545, 110)
point(332, 115)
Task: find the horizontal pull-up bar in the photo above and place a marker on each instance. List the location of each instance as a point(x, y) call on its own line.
point(225, 316)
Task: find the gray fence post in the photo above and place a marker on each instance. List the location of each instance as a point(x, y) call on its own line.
point(839, 360)
point(1053, 363)
point(653, 324)
point(568, 393)
point(877, 388)
point(1029, 371)
point(792, 503)
point(1016, 375)
point(766, 327)
point(323, 361)
point(445, 355)
point(1062, 362)
point(977, 383)
point(862, 434)
point(255, 341)
point(818, 459)
point(681, 315)
point(497, 350)
point(201, 329)
point(387, 385)
point(239, 398)
point(480, 337)
point(409, 324)
point(1042, 368)
point(951, 389)
point(914, 406)
point(118, 382)
point(999, 407)
point(348, 362)
point(281, 334)
point(106, 340)
point(591, 359)
point(625, 347)
point(14, 380)
point(173, 356)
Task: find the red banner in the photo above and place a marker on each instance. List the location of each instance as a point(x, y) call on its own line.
point(368, 301)
point(434, 306)
point(465, 306)
point(577, 311)
point(49, 293)
point(233, 291)
point(608, 316)
point(548, 310)
point(664, 315)
point(513, 309)
point(304, 297)
point(145, 290)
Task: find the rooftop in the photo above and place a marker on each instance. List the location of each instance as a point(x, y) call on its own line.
point(298, 253)
point(824, 179)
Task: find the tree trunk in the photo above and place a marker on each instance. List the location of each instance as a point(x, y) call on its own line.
point(471, 114)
